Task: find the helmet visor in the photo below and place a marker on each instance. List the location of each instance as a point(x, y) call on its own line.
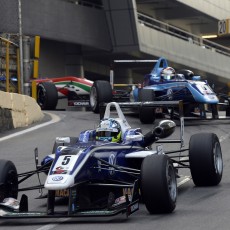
point(106, 134)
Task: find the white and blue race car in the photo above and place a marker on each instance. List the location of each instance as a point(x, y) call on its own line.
point(108, 170)
point(163, 83)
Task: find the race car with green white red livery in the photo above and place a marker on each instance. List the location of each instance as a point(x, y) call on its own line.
point(47, 91)
point(75, 89)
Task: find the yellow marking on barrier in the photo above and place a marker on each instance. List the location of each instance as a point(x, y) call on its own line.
point(124, 84)
point(34, 90)
point(37, 46)
point(35, 69)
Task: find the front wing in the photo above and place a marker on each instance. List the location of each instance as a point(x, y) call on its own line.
point(127, 207)
point(128, 210)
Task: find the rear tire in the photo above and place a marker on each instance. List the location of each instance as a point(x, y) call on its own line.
point(8, 180)
point(205, 157)
point(146, 115)
point(101, 91)
point(47, 95)
point(158, 184)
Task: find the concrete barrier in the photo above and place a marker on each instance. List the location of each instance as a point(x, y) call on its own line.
point(18, 110)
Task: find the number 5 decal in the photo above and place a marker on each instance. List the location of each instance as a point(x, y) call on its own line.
point(66, 160)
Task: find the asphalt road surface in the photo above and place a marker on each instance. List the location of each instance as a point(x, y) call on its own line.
point(197, 207)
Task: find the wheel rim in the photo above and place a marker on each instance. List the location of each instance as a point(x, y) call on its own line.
point(93, 96)
point(218, 162)
point(171, 180)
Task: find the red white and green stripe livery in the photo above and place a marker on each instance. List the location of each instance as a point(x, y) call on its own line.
point(74, 84)
point(75, 89)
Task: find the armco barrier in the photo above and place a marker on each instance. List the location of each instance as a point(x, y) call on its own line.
point(18, 110)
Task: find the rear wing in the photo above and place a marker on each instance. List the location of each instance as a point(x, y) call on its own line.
point(158, 64)
point(152, 104)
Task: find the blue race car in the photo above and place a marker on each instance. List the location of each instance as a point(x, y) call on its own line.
point(105, 171)
point(163, 83)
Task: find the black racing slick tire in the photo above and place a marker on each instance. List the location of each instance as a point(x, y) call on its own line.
point(205, 158)
point(101, 91)
point(158, 184)
point(47, 95)
point(8, 180)
point(146, 115)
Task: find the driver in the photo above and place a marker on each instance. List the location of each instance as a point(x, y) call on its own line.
point(168, 73)
point(108, 130)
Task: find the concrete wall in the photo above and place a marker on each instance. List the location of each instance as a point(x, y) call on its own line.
point(219, 9)
point(59, 59)
point(121, 18)
point(52, 59)
point(57, 20)
point(18, 110)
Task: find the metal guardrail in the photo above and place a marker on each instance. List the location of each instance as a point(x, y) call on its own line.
point(9, 57)
point(182, 34)
point(165, 28)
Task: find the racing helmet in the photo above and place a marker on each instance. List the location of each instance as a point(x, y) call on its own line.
point(108, 130)
point(168, 73)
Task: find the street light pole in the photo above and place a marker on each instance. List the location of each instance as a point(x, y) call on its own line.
point(20, 46)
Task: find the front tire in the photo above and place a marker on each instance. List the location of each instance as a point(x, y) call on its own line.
point(147, 115)
point(205, 157)
point(8, 180)
point(158, 184)
point(101, 91)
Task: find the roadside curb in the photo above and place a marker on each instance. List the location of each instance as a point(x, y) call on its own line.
point(48, 119)
point(17, 111)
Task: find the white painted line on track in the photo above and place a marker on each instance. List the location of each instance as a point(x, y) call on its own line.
point(224, 137)
point(54, 119)
point(186, 179)
point(51, 226)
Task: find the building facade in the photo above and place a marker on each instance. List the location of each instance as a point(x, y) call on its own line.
point(83, 38)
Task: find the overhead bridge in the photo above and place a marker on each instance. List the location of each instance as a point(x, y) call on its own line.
point(135, 32)
point(160, 39)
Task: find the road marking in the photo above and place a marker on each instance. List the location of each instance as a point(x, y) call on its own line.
point(224, 137)
point(51, 226)
point(54, 119)
point(186, 179)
